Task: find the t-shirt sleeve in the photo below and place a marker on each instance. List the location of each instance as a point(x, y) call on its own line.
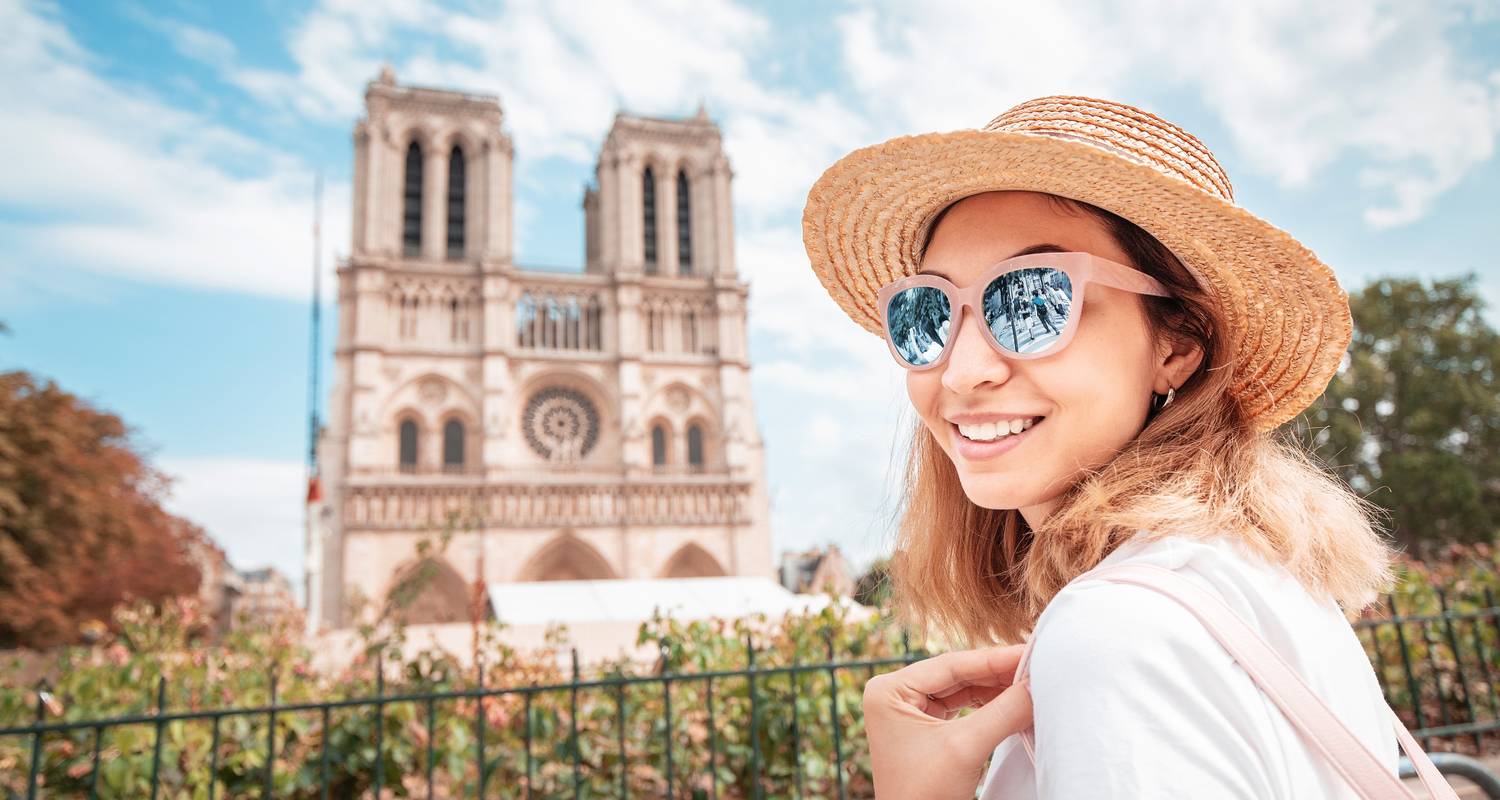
point(1132, 697)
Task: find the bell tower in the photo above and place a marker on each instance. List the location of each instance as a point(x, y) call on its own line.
point(432, 177)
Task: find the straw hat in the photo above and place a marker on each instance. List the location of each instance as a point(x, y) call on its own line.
point(867, 217)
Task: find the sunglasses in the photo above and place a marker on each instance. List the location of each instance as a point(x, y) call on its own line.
point(1030, 305)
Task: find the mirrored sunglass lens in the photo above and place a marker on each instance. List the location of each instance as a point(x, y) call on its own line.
point(1027, 309)
point(917, 322)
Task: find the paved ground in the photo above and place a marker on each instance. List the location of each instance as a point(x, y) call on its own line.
point(1461, 786)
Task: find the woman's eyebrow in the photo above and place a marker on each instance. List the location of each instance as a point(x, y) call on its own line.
point(1036, 248)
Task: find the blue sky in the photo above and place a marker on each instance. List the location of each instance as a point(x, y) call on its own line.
point(156, 212)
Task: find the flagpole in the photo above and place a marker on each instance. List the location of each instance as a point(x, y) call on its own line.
point(312, 571)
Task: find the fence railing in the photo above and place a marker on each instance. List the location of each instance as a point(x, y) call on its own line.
point(1438, 670)
point(811, 696)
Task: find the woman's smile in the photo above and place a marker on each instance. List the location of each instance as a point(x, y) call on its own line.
point(978, 442)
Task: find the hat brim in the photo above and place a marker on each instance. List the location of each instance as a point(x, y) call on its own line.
point(867, 217)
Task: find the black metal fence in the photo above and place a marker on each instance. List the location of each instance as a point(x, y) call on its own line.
point(1438, 671)
point(827, 683)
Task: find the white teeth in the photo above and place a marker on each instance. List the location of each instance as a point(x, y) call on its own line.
point(990, 431)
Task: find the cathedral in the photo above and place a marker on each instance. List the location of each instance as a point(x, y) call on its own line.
point(587, 425)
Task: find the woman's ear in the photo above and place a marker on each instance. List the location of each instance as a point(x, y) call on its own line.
point(1179, 359)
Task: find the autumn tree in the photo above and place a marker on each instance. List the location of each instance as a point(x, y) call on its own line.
point(1412, 419)
point(81, 523)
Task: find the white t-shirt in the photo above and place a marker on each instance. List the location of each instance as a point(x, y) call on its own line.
point(1133, 697)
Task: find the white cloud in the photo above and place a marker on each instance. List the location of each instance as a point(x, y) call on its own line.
point(190, 41)
point(251, 507)
point(123, 183)
point(1297, 86)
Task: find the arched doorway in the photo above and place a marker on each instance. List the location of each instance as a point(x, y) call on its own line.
point(567, 558)
point(692, 561)
point(428, 591)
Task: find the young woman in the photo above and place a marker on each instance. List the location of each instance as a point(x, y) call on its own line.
point(1137, 427)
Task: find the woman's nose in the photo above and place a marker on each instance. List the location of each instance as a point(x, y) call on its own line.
point(972, 361)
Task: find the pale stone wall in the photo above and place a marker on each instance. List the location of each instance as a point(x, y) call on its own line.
point(556, 405)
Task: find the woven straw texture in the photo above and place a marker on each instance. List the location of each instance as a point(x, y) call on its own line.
point(868, 214)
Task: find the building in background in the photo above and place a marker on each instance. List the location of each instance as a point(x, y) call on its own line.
point(583, 426)
point(815, 571)
point(234, 598)
point(265, 594)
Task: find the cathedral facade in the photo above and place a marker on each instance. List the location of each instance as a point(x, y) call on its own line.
point(549, 425)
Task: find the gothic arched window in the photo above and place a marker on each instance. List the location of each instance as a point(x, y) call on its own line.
point(456, 177)
point(453, 445)
point(695, 447)
point(648, 204)
point(658, 446)
point(684, 226)
point(411, 202)
point(408, 455)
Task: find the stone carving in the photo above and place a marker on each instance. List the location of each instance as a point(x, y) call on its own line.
point(561, 425)
point(677, 398)
point(433, 391)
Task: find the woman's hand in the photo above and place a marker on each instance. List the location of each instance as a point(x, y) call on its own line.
point(919, 747)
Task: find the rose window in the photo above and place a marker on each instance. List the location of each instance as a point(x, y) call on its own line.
point(560, 424)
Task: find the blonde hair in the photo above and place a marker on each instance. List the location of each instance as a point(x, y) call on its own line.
point(1198, 469)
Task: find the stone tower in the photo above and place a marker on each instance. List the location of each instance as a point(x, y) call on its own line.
point(560, 425)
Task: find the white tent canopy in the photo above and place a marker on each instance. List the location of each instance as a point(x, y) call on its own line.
point(632, 600)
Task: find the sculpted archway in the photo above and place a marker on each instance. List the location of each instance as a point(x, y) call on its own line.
point(429, 591)
point(692, 561)
point(567, 558)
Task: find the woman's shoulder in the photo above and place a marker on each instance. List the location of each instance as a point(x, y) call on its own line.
point(1095, 617)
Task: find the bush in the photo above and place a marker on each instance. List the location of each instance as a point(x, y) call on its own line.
point(158, 650)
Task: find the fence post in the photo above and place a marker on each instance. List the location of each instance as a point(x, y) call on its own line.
point(527, 708)
point(94, 772)
point(620, 730)
point(213, 761)
point(754, 719)
point(833, 695)
point(379, 722)
point(796, 678)
point(161, 704)
point(713, 744)
point(666, 692)
point(323, 756)
point(1458, 663)
point(479, 725)
point(1411, 678)
point(271, 739)
point(573, 725)
point(36, 739)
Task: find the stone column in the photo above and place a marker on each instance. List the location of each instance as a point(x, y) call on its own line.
point(476, 200)
point(434, 202)
point(497, 218)
point(628, 213)
point(666, 221)
point(360, 194)
point(723, 212)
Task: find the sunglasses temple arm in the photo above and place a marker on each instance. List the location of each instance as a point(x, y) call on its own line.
point(1131, 280)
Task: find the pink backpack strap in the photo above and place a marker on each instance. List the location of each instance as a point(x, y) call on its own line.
point(1364, 770)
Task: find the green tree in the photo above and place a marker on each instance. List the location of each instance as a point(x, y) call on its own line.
point(873, 588)
point(1412, 419)
point(81, 524)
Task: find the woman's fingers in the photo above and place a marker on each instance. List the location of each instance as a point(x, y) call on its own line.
point(967, 697)
point(948, 673)
point(984, 729)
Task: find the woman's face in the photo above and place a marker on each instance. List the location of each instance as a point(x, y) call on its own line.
point(1092, 397)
